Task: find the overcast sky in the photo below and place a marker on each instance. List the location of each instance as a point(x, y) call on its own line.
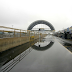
point(21, 13)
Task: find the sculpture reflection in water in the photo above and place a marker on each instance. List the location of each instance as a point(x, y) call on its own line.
point(42, 48)
point(12, 57)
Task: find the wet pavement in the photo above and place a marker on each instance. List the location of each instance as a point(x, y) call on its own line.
point(50, 54)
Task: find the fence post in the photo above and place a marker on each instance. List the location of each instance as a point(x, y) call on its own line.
point(29, 35)
point(3, 34)
point(14, 32)
point(20, 33)
point(34, 35)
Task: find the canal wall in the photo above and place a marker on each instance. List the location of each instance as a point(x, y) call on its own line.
point(7, 43)
point(10, 54)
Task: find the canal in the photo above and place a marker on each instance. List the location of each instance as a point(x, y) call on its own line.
point(50, 54)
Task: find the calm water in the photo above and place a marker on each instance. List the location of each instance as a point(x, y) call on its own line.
point(49, 54)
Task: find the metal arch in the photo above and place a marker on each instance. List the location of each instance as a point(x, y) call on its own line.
point(40, 22)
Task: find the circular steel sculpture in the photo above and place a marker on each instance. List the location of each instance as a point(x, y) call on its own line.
point(40, 22)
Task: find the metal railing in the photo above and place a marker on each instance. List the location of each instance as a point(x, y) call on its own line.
point(8, 32)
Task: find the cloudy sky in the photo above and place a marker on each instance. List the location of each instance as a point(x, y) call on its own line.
point(21, 13)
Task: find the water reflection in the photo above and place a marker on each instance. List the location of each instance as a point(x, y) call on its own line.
point(44, 44)
point(16, 60)
point(10, 58)
point(54, 59)
point(68, 46)
point(66, 43)
point(39, 48)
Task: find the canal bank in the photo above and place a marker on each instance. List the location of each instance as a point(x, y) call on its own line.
point(53, 59)
point(7, 43)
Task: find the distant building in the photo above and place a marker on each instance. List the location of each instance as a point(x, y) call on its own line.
point(67, 29)
point(70, 28)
